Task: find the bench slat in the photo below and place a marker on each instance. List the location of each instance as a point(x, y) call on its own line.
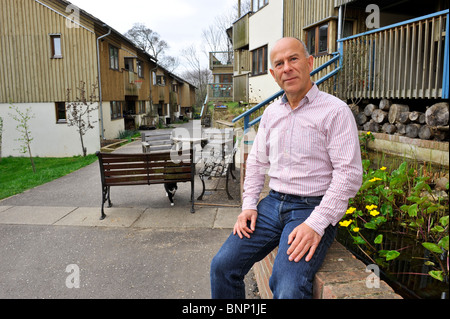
point(162, 170)
point(110, 181)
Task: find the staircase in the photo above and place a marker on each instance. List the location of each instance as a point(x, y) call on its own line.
point(253, 116)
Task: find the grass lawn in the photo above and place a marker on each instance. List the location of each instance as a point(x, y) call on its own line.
point(16, 174)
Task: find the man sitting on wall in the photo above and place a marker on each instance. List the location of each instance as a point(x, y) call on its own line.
point(308, 145)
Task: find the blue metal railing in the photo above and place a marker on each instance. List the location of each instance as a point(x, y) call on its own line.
point(246, 116)
point(445, 79)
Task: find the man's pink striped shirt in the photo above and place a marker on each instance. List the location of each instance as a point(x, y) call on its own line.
point(310, 151)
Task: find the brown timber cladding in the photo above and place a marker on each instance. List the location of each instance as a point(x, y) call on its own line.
point(28, 71)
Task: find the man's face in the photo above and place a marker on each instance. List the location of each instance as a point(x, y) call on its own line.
point(291, 68)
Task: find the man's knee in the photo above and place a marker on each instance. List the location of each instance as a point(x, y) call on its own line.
point(283, 287)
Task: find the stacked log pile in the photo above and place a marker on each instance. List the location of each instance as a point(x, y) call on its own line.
point(399, 119)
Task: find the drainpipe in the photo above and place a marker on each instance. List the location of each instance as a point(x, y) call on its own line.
point(100, 82)
point(340, 28)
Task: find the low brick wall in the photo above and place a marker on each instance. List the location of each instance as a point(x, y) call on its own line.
point(342, 276)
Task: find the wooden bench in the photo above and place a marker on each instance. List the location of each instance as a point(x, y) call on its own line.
point(144, 169)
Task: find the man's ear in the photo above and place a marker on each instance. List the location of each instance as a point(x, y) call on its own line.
point(311, 63)
point(273, 74)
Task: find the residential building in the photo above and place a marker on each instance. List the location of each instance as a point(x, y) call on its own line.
point(221, 65)
point(50, 46)
point(405, 61)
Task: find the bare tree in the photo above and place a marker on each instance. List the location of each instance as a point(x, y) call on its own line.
point(215, 35)
point(150, 41)
point(23, 127)
point(79, 112)
point(196, 73)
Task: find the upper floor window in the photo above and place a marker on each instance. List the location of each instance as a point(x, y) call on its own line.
point(161, 80)
point(113, 58)
point(55, 41)
point(317, 39)
point(260, 61)
point(258, 4)
point(140, 69)
point(129, 64)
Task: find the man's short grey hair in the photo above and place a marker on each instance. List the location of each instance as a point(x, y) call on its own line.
point(305, 48)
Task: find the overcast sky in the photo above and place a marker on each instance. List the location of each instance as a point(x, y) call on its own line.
point(179, 22)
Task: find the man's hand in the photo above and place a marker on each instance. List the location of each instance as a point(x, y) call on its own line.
point(302, 240)
point(241, 226)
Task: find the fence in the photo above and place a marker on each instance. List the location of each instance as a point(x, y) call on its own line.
point(405, 60)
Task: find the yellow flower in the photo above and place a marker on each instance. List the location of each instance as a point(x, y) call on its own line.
point(356, 229)
point(369, 133)
point(375, 179)
point(346, 223)
point(371, 207)
point(374, 213)
point(383, 168)
point(351, 210)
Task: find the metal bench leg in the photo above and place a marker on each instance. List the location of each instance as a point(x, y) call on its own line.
point(203, 191)
point(226, 187)
point(192, 197)
point(105, 197)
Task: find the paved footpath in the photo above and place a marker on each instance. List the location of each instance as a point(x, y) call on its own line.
point(52, 242)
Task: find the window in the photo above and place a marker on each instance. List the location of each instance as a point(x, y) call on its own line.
point(259, 61)
point(223, 78)
point(142, 108)
point(60, 109)
point(55, 41)
point(317, 39)
point(161, 80)
point(129, 64)
point(140, 69)
point(348, 28)
point(116, 110)
point(259, 4)
point(113, 58)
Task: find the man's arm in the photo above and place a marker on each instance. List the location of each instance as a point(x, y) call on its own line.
point(345, 154)
point(257, 166)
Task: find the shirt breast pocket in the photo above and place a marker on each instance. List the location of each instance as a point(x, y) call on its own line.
point(307, 143)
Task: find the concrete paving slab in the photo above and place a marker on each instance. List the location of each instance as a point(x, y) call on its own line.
point(90, 216)
point(226, 217)
point(4, 208)
point(30, 215)
point(177, 217)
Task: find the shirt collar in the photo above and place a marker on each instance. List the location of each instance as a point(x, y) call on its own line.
point(309, 97)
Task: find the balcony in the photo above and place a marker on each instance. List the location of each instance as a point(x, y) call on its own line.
point(132, 83)
point(404, 60)
point(241, 32)
point(222, 92)
point(223, 59)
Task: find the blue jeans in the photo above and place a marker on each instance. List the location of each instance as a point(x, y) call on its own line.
point(278, 216)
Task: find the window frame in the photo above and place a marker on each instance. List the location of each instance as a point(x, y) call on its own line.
point(260, 61)
point(317, 39)
point(113, 54)
point(140, 69)
point(53, 46)
point(116, 114)
point(58, 112)
point(259, 4)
